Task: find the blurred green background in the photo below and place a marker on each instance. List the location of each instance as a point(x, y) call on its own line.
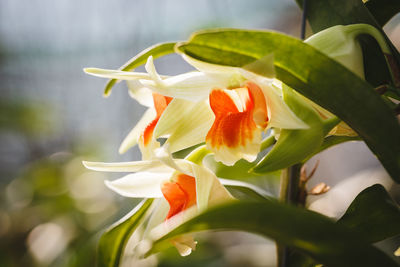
point(53, 116)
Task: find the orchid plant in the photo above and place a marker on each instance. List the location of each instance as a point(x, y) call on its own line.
point(260, 102)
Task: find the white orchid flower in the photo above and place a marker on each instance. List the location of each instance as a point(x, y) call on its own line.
point(226, 107)
point(188, 188)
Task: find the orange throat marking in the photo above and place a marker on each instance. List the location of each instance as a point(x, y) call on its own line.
point(160, 104)
point(232, 127)
point(180, 194)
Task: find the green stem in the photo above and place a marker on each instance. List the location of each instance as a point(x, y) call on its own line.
point(267, 142)
point(289, 191)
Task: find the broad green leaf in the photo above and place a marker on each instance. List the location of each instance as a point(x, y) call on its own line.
point(373, 214)
point(308, 232)
point(293, 146)
point(112, 243)
point(245, 193)
point(156, 51)
point(315, 76)
point(383, 10)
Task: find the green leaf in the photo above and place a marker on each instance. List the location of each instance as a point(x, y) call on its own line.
point(314, 75)
point(245, 193)
point(156, 51)
point(373, 214)
point(303, 230)
point(239, 171)
point(112, 243)
point(294, 146)
point(383, 10)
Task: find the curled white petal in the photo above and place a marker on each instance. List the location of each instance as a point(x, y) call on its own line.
point(185, 123)
point(230, 155)
point(151, 70)
point(208, 67)
point(117, 74)
point(279, 114)
point(132, 138)
point(131, 166)
point(193, 86)
point(140, 93)
point(139, 185)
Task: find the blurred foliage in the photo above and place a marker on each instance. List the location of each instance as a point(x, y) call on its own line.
point(51, 207)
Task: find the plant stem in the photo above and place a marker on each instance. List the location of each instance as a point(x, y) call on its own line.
point(289, 190)
point(303, 20)
point(290, 178)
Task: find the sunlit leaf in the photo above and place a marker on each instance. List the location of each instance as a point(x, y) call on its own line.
point(293, 146)
point(305, 231)
point(245, 193)
point(314, 75)
point(373, 214)
point(156, 51)
point(112, 243)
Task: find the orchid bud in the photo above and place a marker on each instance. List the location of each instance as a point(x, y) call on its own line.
point(341, 44)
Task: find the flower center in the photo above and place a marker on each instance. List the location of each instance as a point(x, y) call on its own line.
point(180, 194)
point(160, 104)
point(237, 112)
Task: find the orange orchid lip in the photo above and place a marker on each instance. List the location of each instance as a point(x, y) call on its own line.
point(180, 194)
point(234, 126)
point(160, 104)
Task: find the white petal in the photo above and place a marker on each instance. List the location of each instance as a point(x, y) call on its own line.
point(139, 185)
point(151, 69)
point(117, 74)
point(148, 150)
point(208, 188)
point(185, 244)
point(158, 215)
point(205, 179)
point(164, 155)
point(280, 115)
point(132, 166)
point(132, 138)
point(193, 86)
point(186, 123)
point(173, 222)
point(204, 182)
point(140, 93)
point(230, 155)
point(208, 67)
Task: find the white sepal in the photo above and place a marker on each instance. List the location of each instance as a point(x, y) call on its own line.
point(132, 138)
point(130, 166)
point(139, 185)
point(117, 74)
point(185, 123)
point(140, 93)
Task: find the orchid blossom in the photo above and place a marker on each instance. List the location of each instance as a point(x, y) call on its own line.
point(188, 189)
point(226, 107)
